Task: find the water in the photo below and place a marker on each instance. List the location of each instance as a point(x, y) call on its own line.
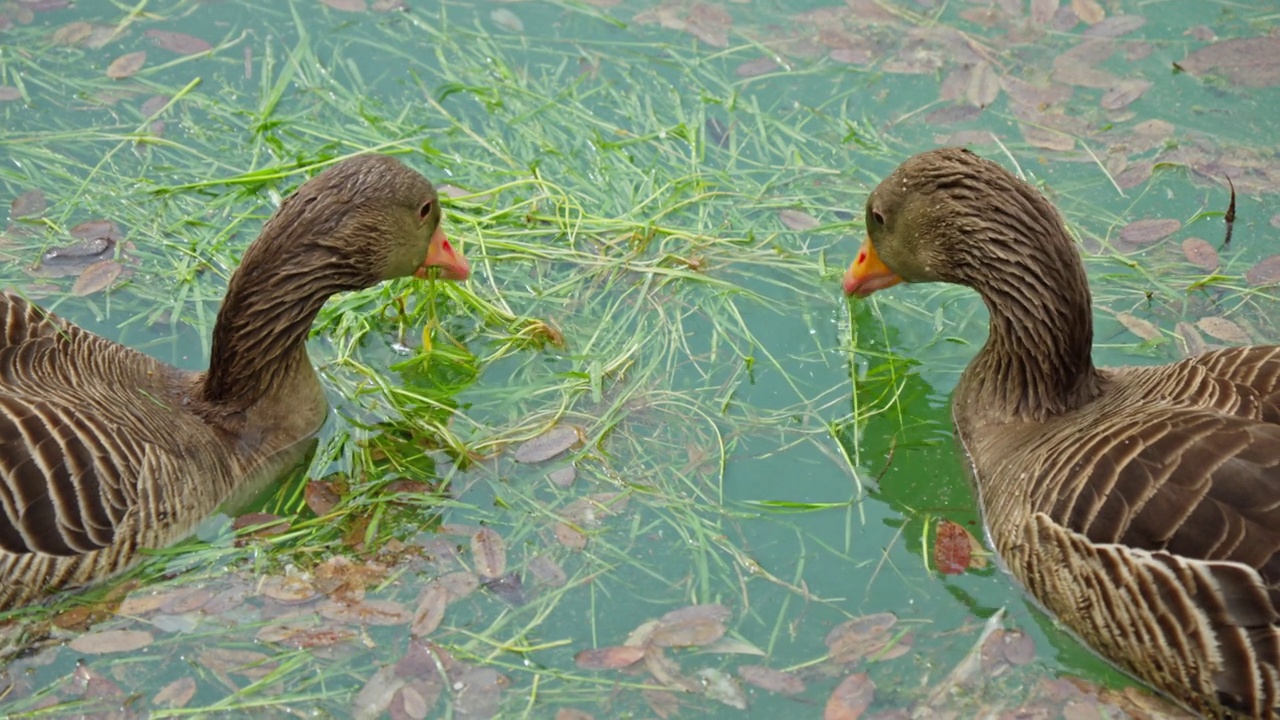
point(781, 451)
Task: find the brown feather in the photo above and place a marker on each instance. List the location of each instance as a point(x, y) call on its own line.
point(1140, 505)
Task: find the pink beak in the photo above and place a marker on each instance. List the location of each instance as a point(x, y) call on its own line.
point(440, 254)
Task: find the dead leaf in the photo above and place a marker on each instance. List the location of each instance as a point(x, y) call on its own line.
point(73, 33)
point(777, 681)
point(1266, 272)
point(176, 694)
point(489, 552)
point(1124, 94)
point(430, 612)
point(1019, 648)
point(96, 277)
point(459, 584)
point(29, 204)
point(9, 93)
point(479, 693)
point(720, 686)
point(563, 477)
point(757, 67)
point(509, 588)
point(1089, 11)
point(850, 699)
point(1249, 62)
point(1200, 253)
point(1145, 232)
point(111, 641)
point(984, 85)
point(374, 698)
point(952, 549)
point(1192, 343)
point(566, 713)
point(1115, 26)
point(547, 571)
point(797, 220)
point(321, 497)
point(554, 441)
point(181, 43)
point(346, 5)
point(570, 536)
point(126, 65)
point(608, 658)
point(288, 589)
point(365, 612)
point(1136, 325)
point(855, 639)
point(1046, 138)
point(507, 20)
point(1224, 330)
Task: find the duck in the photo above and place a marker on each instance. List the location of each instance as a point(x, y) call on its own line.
point(1139, 505)
point(108, 451)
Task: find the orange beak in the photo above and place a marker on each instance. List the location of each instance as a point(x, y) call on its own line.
point(868, 274)
point(440, 254)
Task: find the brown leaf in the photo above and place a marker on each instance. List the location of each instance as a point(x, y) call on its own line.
point(547, 571)
point(984, 85)
point(1046, 138)
point(777, 681)
point(563, 477)
point(1136, 325)
point(73, 33)
point(1042, 11)
point(1266, 272)
point(507, 20)
point(1089, 11)
point(1200, 253)
point(797, 220)
point(757, 67)
point(566, 713)
point(1019, 648)
point(346, 5)
point(554, 441)
point(111, 641)
point(570, 537)
point(459, 584)
point(489, 552)
point(126, 65)
point(709, 23)
point(850, 699)
point(509, 588)
point(181, 43)
point(321, 497)
point(365, 612)
point(857, 638)
point(29, 204)
point(608, 658)
point(479, 693)
point(1123, 94)
point(288, 589)
point(430, 612)
point(691, 626)
point(1192, 343)
point(266, 524)
point(1224, 330)
point(1115, 26)
point(1145, 232)
point(1251, 62)
point(8, 93)
point(375, 697)
point(96, 277)
point(176, 694)
point(952, 551)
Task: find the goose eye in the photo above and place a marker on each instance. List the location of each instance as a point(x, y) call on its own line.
point(877, 217)
point(424, 212)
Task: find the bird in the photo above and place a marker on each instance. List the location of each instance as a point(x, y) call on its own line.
point(108, 451)
point(1139, 505)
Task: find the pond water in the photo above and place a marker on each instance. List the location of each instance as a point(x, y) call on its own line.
point(658, 200)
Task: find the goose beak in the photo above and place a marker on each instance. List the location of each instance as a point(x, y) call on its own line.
point(440, 254)
point(868, 273)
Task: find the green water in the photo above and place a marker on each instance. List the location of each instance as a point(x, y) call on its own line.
point(782, 451)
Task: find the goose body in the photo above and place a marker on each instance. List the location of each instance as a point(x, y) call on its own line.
point(1139, 505)
point(107, 451)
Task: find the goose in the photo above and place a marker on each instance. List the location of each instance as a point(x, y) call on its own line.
point(108, 451)
point(1139, 505)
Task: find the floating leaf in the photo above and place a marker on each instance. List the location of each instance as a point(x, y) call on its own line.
point(176, 694)
point(1019, 648)
point(321, 497)
point(288, 589)
point(563, 477)
point(566, 713)
point(346, 5)
point(691, 626)
point(111, 641)
point(29, 204)
point(509, 588)
point(952, 551)
point(1042, 11)
point(1115, 26)
point(8, 93)
point(850, 699)
point(855, 639)
point(489, 552)
point(547, 571)
point(181, 43)
point(126, 65)
point(1123, 94)
point(1145, 232)
point(777, 681)
point(1200, 253)
point(73, 33)
point(1251, 62)
point(1266, 272)
point(97, 277)
point(984, 85)
point(796, 220)
point(1224, 330)
point(459, 584)
point(1192, 343)
point(1089, 11)
point(374, 698)
point(1136, 325)
point(507, 20)
point(757, 67)
point(479, 693)
point(554, 441)
point(430, 612)
point(721, 687)
point(608, 658)
point(365, 612)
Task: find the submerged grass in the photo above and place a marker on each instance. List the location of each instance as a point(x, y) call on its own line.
point(618, 194)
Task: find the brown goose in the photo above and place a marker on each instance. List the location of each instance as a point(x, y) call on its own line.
point(1141, 505)
point(108, 451)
